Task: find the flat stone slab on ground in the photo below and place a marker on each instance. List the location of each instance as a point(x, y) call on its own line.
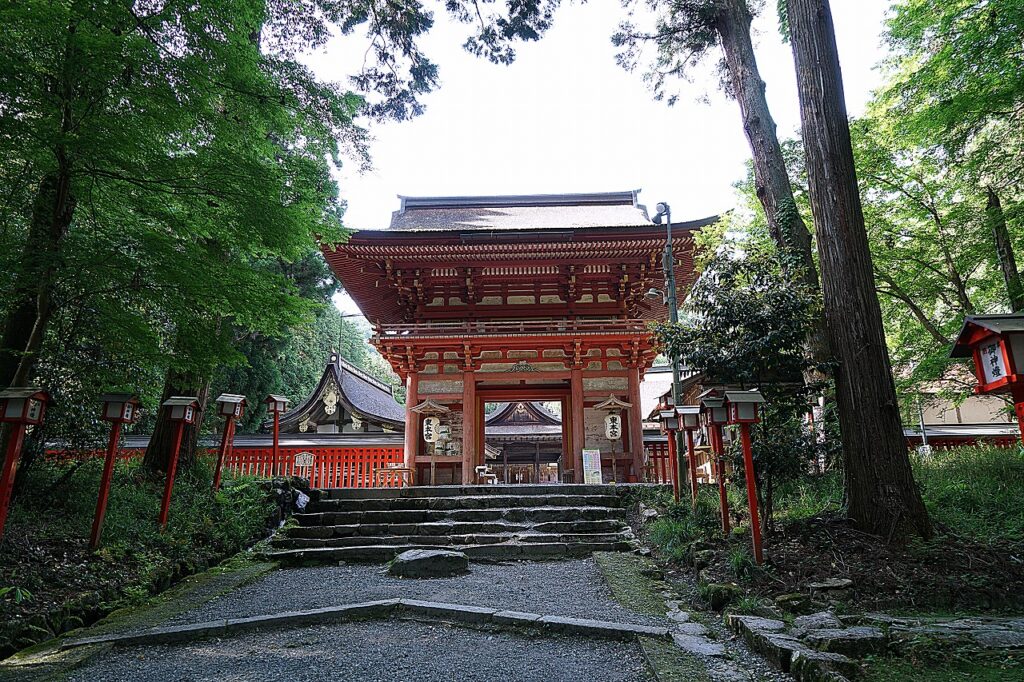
point(856, 641)
point(817, 621)
point(700, 646)
point(429, 563)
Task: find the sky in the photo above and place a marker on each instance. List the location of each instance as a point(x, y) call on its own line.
point(564, 117)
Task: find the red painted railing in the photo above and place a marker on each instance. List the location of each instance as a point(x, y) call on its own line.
point(332, 467)
point(658, 469)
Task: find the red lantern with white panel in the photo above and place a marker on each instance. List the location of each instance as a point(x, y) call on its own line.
point(743, 411)
point(118, 409)
point(22, 407)
point(181, 410)
point(232, 407)
point(276, 405)
point(714, 415)
point(996, 344)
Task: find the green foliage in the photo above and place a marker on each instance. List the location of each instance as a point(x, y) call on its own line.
point(681, 527)
point(975, 491)
point(741, 562)
point(744, 325)
point(15, 594)
point(58, 502)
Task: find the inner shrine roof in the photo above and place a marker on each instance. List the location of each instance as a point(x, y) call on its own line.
point(519, 212)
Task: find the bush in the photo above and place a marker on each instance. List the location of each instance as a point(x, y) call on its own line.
point(58, 502)
point(681, 527)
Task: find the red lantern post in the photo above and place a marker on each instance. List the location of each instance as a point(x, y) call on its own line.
point(20, 407)
point(743, 411)
point(118, 409)
point(670, 424)
point(689, 418)
point(181, 410)
point(231, 407)
point(996, 343)
point(276, 404)
point(714, 415)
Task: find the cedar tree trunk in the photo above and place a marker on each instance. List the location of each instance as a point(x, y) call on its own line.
point(771, 180)
point(158, 454)
point(882, 496)
point(1004, 251)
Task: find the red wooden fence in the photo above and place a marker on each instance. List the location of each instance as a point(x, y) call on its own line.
point(332, 467)
point(658, 469)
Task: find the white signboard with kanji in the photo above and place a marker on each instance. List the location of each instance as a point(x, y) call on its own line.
point(992, 362)
point(592, 467)
point(303, 460)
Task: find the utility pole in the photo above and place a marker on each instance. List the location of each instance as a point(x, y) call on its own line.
point(668, 264)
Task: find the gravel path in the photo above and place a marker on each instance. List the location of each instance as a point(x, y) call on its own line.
point(566, 588)
point(388, 650)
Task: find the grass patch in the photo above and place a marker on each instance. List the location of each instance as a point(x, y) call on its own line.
point(671, 664)
point(975, 491)
point(979, 670)
point(628, 577)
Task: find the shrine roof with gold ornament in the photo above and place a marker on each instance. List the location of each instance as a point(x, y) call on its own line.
point(347, 386)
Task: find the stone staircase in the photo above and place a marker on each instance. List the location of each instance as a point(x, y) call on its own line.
point(488, 523)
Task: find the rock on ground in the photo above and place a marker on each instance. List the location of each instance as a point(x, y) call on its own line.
point(429, 563)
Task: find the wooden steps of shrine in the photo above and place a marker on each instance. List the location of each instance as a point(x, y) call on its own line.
point(488, 523)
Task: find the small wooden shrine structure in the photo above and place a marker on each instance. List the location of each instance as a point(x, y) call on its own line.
point(540, 298)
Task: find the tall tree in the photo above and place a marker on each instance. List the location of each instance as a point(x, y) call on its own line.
point(881, 493)
point(687, 30)
point(955, 81)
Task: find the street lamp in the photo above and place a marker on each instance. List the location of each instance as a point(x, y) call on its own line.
point(743, 410)
point(276, 405)
point(231, 407)
point(181, 410)
point(669, 298)
point(20, 407)
point(715, 415)
point(118, 409)
point(689, 417)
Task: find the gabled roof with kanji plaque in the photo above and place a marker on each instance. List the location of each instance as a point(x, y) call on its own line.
point(511, 421)
point(353, 389)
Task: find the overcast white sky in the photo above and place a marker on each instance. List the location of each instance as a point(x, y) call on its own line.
point(565, 118)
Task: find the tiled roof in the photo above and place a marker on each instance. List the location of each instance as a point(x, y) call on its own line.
point(520, 212)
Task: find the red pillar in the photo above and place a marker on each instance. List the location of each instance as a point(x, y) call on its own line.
point(10, 467)
point(717, 448)
point(108, 471)
point(412, 422)
point(577, 423)
point(1018, 407)
point(636, 424)
point(469, 418)
point(226, 445)
point(672, 463)
point(165, 507)
point(276, 448)
point(691, 454)
point(748, 465)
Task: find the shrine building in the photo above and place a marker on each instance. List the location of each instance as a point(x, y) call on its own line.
point(539, 304)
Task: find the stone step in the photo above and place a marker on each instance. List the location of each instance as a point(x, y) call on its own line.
point(463, 502)
point(467, 490)
point(285, 542)
point(442, 528)
point(489, 553)
point(515, 514)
